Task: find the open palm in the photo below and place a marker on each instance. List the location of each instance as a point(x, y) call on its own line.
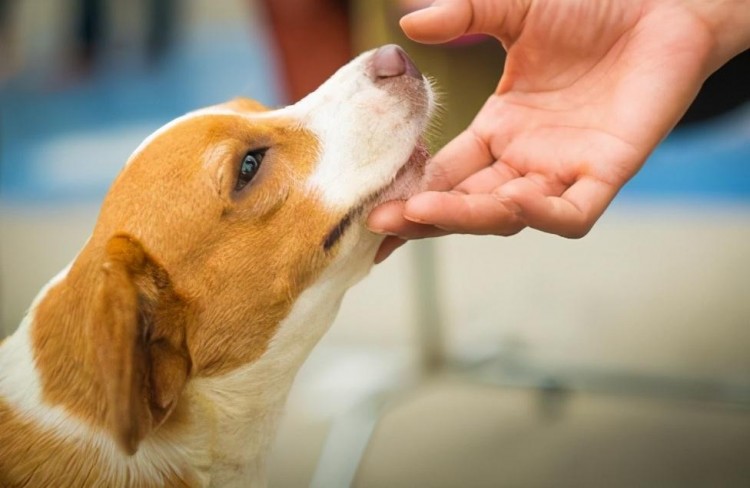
point(588, 91)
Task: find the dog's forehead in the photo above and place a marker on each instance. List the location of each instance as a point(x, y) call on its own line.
point(238, 112)
point(191, 128)
point(188, 169)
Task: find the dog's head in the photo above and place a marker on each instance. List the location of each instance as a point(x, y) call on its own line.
point(225, 216)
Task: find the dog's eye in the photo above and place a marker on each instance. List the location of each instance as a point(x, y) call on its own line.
point(249, 168)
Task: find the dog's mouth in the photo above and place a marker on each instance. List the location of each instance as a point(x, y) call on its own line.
point(393, 72)
point(407, 181)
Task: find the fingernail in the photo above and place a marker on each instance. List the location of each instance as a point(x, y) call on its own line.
point(383, 232)
point(412, 218)
point(415, 12)
point(417, 8)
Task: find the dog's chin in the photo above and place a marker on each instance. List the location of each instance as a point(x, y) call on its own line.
point(408, 181)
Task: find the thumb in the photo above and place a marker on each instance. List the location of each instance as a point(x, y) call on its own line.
point(446, 20)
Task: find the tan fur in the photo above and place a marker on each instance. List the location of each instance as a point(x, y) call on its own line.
point(208, 239)
point(93, 354)
point(163, 355)
point(129, 345)
point(138, 329)
point(24, 447)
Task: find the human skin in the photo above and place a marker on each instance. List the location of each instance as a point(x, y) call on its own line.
point(589, 89)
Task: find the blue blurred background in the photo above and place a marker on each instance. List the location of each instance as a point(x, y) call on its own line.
point(70, 118)
point(622, 359)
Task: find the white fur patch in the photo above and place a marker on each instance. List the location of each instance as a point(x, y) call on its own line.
point(20, 388)
point(20, 385)
point(367, 132)
point(247, 403)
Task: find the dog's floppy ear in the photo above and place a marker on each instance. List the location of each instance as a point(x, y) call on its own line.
point(138, 329)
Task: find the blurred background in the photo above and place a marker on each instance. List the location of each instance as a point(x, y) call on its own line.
point(622, 359)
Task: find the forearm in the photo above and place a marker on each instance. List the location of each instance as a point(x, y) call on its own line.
point(728, 22)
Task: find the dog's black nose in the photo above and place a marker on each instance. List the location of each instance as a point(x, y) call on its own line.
point(391, 61)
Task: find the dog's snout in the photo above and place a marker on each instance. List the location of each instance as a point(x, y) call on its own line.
point(391, 61)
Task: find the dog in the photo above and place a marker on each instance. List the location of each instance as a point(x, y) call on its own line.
point(163, 354)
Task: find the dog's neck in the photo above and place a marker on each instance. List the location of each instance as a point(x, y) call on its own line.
point(220, 433)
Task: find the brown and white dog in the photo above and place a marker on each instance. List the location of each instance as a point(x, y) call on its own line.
point(163, 354)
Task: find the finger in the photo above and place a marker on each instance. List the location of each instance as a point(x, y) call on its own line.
point(461, 157)
point(455, 212)
point(446, 20)
point(487, 179)
point(572, 214)
point(388, 219)
point(440, 22)
point(390, 244)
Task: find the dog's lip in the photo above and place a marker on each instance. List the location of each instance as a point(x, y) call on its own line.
point(407, 181)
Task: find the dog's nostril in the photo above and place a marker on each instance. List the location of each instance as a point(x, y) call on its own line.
point(391, 61)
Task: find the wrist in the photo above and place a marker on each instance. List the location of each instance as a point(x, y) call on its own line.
point(728, 24)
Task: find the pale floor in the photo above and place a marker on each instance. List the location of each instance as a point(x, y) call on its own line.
point(454, 434)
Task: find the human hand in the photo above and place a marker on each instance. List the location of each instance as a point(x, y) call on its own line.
point(589, 89)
